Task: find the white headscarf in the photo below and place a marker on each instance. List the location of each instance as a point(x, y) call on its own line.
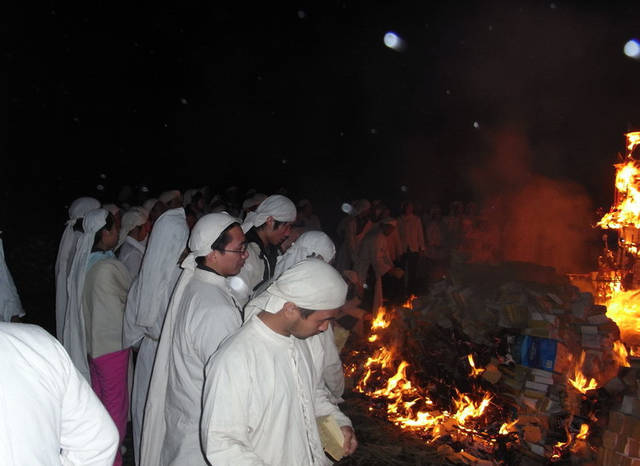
point(10, 305)
point(74, 331)
point(188, 195)
point(309, 284)
point(205, 232)
point(277, 206)
point(168, 196)
point(150, 292)
point(131, 219)
point(77, 210)
point(308, 243)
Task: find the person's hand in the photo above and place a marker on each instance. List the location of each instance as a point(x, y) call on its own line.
point(350, 441)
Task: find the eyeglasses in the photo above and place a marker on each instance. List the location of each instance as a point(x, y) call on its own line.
point(242, 249)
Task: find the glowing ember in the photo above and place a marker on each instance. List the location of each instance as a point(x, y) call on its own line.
point(474, 372)
point(579, 381)
point(373, 338)
point(467, 408)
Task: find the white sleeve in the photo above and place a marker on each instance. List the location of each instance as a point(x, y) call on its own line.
point(332, 372)
point(382, 262)
point(324, 407)
point(88, 436)
point(225, 417)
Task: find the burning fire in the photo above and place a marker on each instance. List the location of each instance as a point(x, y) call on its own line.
point(621, 354)
point(579, 381)
point(409, 406)
point(624, 310)
point(584, 431)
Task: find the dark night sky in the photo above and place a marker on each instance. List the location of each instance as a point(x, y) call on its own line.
point(221, 94)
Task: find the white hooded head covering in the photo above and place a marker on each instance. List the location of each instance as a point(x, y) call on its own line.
point(309, 243)
point(203, 235)
point(309, 284)
point(67, 247)
point(277, 206)
point(168, 196)
point(131, 219)
point(150, 292)
point(74, 331)
point(10, 305)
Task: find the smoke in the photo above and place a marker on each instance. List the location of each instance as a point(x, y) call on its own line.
point(531, 217)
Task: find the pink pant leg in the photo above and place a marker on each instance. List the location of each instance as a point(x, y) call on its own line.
point(110, 374)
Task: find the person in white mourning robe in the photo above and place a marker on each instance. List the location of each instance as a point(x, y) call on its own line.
point(172, 198)
point(50, 415)
point(322, 347)
point(201, 315)
point(74, 335)
point(10, 305)
point(262, 394)
point(412, 237)
point(147, 304)
point(66, 250)
point(132, 240)
point(106, 284)
point(266, 227)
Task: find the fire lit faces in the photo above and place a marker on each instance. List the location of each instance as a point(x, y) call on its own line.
point(315, 323)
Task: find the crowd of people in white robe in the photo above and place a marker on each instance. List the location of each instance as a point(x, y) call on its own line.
point(229, 311)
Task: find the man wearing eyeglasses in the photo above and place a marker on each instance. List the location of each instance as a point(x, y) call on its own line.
point(202, 314)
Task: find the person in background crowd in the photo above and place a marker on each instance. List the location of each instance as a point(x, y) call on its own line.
point(412, 237)
point(374, 256)
point(10, 305)
point(132, 240)
point(262, 394)
point(266, 227)
point(50, 415)
point(306, 218)
point(106, 284)
point(66, 251)
point(202, 314)
point(74, 339)
point(352, 229)
point(147, 304)
point(116, 212)
point(171, 199)
point(250, 204)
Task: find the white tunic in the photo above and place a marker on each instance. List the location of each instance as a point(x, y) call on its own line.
point(327, 363)
point(261, 399)
point(203, 318)
point(10, 305)
point(130, 254)
point(50, 415)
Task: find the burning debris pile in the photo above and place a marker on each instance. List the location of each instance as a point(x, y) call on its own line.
point(498, 364)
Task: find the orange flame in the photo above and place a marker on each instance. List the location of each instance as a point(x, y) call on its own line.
point(467, 408)
point(474, 372)
point(579, 381)
point(584, 431)
point(508, 427)
point(409, 302)
point(624, 309)
point(626, 211)
point(382, 320)
point(621, 354)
